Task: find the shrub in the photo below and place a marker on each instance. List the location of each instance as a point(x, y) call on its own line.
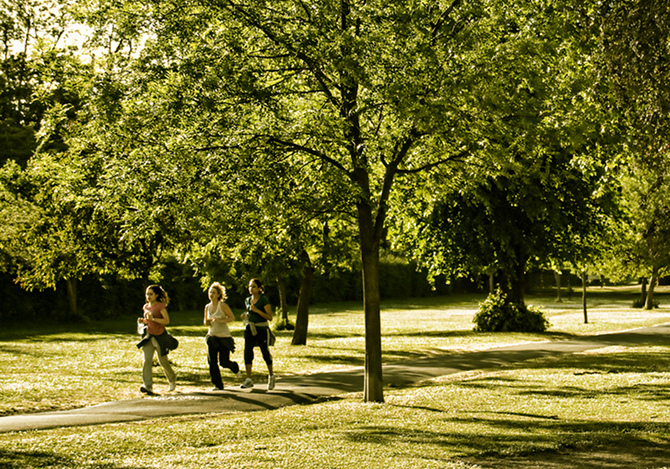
point(284, 324)
point(498, 314)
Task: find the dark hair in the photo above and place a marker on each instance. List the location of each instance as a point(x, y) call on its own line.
point(161, 295)
point(259, 284)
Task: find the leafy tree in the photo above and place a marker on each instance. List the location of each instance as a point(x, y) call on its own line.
point(635, 57)
point(17, 127)
point(641, 247)
point(540, 196)
point(36, 59)
point(40, 87)
point(352, 94)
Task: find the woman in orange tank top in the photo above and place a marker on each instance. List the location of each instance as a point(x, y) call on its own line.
point(155, 338)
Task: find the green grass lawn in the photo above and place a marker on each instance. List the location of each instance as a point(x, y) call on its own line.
point(609, 403)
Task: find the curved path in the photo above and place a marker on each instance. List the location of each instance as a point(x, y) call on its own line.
point(309, 388)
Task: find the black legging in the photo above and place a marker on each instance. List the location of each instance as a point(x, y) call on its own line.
point(218, 352)
point(260, 340)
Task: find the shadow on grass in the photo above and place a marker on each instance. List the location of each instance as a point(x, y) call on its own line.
point(24, 459)
point(335, 360)
point(467, 333)
point(520, 440)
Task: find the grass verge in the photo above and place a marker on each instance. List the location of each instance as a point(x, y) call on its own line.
point(67, 366)
point(611, 403)
point(606, 408)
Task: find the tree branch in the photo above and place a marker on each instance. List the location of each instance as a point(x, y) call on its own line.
point(428, 166)
point(443, 17)
point(313, 152)
point(318, 74)
point(391, 170)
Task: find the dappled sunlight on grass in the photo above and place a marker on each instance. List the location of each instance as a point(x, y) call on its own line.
point(67, 366)
point(615, 396)
point(603, 320)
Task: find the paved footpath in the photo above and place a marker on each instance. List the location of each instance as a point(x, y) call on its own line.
point(304, 389)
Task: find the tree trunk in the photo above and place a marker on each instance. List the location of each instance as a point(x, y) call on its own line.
point(302, 314)
point(373, 385)
point(517, 280)
point(557, 276)
point(585, 280)
point(643, 292)
point(281, 287)
point(72, 296)
point(569, 285)
point(649, 300)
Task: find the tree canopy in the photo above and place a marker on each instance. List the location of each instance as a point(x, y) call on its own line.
point(265, 134)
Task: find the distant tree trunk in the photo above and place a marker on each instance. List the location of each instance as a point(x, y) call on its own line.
point(325, 249)
point(302, 313)
point(643, 292)
point(569, 285)
point(585, 280)
point(559, 293)
point(281, 287)
point(72, 296)
point(649, 300)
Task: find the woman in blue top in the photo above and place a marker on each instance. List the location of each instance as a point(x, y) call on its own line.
point(257, 320)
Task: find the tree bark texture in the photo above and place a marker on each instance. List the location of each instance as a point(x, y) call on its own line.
point(302, 314)
point(373, 385)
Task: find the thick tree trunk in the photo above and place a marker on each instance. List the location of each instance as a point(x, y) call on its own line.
point(649, 300)
point(302, 314)
point(517, 281)
point(373, 385)
point(585, 280)
point(643, 290)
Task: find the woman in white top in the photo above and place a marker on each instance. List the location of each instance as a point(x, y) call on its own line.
point(220, 344)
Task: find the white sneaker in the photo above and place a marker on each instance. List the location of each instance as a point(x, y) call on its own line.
point(271, 382)
point(247, 383)
point(172, 386)
point(238, 375)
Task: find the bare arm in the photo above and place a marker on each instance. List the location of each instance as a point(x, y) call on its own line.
point(205, 320)
point(230, 317)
